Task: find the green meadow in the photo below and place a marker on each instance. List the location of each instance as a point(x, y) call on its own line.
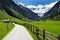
point(3, 29)
point(3, 26)
point(50, 26)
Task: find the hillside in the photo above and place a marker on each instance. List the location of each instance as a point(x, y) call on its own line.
point(17, 11)
point(53, 12)
point(56, 16)
point(8, 12)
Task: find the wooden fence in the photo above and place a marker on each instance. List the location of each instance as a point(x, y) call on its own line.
point(41, 34)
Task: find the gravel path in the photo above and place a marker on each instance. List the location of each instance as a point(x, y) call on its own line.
point(18, 33)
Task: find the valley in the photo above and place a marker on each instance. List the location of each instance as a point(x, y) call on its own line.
point(50, 21)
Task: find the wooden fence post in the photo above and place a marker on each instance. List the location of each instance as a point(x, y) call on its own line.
point(33, 29)
point(43, 34)
point(28, 26)
point(58, 37)
point(37, 33)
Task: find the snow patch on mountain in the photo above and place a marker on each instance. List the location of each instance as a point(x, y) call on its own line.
point(41, 9)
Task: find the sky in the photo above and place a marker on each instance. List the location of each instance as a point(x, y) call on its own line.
point(34, 2)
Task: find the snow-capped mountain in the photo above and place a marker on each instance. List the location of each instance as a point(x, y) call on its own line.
point(41, 9)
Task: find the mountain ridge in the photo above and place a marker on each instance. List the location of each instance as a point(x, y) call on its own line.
point(7, 4)
point(54, 10)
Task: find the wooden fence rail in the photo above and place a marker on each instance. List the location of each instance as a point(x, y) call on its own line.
point(40, 33)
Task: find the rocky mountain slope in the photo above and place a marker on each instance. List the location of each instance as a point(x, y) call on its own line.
point(53, 12)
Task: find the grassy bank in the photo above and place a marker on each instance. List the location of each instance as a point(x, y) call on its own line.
point(3, 29)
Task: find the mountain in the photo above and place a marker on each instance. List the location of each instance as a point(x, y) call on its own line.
point(57, 16)
point(17, 11)
point(7, 10)
point(53, 12)
point(41, 9)
point(29, 13)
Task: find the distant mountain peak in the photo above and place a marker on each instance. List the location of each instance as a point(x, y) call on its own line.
point(54, 10)
point(41, 9)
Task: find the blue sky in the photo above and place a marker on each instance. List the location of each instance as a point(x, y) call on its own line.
point(35, 2)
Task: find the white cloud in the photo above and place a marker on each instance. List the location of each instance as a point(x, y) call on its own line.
point(40, 6)
point(31, 6)
point(22, 4)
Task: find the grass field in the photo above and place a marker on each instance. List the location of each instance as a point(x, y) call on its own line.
point(50, 26)
point(3, 26)
point(3, 29)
